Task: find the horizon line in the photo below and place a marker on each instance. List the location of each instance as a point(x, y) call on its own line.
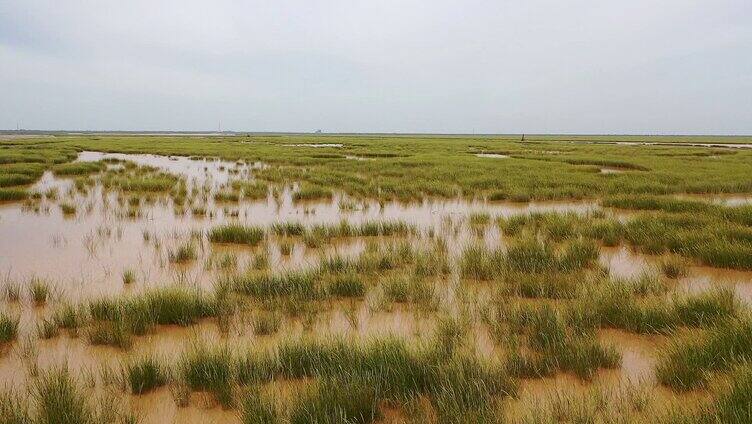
point(339, 133)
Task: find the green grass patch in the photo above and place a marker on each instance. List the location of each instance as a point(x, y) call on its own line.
point(557, 343)
point(60, 399)
point(117, 319)
point(78, 168)
point(9, 194)
point(9, 180)
point(237, 234)
point(687, 363)
point(301, 285)
point(210, 369)
point(312, 192)
point(145, 374)
point(347, 285)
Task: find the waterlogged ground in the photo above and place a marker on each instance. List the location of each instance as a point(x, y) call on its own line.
point(94, 244)
point(93, 237)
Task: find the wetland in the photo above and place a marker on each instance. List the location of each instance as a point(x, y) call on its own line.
point(384, 279)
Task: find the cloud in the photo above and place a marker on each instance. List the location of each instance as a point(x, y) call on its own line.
point(674, 66)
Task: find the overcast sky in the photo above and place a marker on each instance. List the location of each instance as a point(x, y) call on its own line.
point(577, 66)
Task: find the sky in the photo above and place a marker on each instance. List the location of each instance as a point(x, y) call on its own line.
point(438, 66)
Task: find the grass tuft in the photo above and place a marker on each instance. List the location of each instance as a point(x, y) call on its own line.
point(129, 276)
point(145, 374)
point(185, 252)
point(686, 363)
point(209, 368)
point(8, 328)
point(347, 285)
point(266, 323)
point(301, 285)
point(61, 400)
point(674, 268)
point(236, 234)
point(39, 291)
point(256, 410)
point(14, 408)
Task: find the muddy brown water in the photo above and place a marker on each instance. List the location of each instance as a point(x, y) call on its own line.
point(89, 250)
point(83, 255)
point(624, 262)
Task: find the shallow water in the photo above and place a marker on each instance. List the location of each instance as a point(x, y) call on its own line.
point(638, 354)
point(196, 170)
point(624, 262)
point(720, 198)
point(491, 155)
point(84, 255)
point(88, 251)
point(608, 170)
point(315, 145)
point(662, 144)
